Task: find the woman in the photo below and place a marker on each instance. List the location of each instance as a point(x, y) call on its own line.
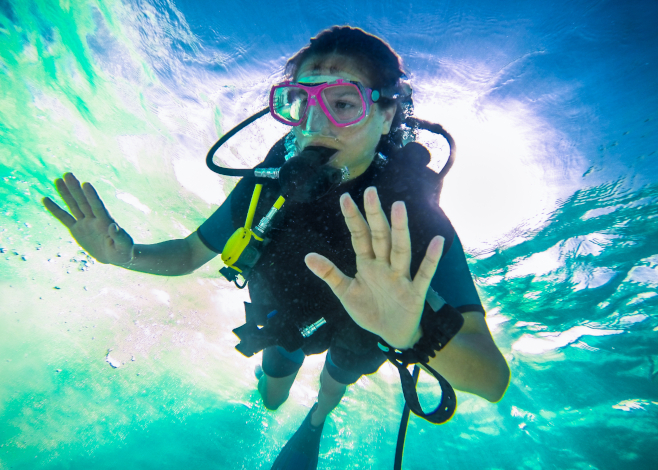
point(345, 95)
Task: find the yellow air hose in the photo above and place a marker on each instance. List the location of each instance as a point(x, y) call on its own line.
point(240, 238)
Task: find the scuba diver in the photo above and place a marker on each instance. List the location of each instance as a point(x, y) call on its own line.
point(321, 276)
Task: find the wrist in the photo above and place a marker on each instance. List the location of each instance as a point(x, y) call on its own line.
point(439, 323)
point(416, 337)
point(131, 262)
point(439, 327)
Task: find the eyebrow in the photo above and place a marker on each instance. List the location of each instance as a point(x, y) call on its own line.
point(318, 67)
point(350, 92)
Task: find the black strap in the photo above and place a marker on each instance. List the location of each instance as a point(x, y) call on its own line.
point(448, 404)
point(402, 433)
point(277, 330)
point(440, 323)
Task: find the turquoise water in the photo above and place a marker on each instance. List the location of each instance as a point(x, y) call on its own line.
point(554, 194)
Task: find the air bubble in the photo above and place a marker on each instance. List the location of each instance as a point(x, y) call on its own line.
point(113, 362)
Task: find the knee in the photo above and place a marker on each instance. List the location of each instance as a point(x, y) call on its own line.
point(333, 391)
point(272, 400)
point(272, 403)
point(330, 386)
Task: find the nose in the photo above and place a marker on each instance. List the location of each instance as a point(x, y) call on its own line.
point(316, 121)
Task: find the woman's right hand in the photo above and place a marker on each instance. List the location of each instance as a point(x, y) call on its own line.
point(90, 223)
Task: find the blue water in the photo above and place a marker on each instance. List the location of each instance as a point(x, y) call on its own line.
point(555, 112)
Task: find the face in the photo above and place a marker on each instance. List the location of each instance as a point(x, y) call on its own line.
point(356, 143)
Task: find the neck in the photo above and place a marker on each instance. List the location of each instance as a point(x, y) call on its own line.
point(358, 169)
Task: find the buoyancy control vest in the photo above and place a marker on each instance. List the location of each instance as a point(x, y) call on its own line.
point(280, 280)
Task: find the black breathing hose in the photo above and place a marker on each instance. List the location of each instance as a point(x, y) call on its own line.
point(436, 129)
point(225, 137)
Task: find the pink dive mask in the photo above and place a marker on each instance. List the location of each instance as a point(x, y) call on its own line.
point(343, 102)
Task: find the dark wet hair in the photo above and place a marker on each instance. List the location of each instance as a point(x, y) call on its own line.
point(382, 66)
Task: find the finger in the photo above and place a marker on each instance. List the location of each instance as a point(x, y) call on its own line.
point(64, 192)
point(95, 202)
point(60, 214)
point(428, 266)
point(400, 240)
point(358, 227)
point(379, 228)
point(329, 273)
point(76, 191)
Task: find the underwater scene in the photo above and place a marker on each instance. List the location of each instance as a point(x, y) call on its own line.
point(554, 193)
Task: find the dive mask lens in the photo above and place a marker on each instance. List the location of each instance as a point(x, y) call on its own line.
point(289, 104)
point(345, 103)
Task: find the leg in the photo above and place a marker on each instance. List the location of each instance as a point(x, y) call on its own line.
point(275, 390)
point(302, 450)
point(331, 392)
point(335, 379)
point(279, 372)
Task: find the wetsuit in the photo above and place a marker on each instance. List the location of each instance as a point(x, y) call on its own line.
point(281, 281)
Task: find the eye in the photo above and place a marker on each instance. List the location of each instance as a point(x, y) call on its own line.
point(343, 105)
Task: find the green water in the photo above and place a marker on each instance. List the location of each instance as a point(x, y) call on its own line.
point(571, 299)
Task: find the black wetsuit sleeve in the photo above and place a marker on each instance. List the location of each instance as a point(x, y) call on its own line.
point(215, 232)
point(453, 280)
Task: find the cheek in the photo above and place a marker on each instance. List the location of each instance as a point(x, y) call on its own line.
point(364, 142)
point(372, 141)
point(374, 134)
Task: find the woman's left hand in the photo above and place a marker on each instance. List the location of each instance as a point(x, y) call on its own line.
point(382, 298)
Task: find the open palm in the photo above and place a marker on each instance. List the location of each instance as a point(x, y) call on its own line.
point(89, 222)
point(382, 297)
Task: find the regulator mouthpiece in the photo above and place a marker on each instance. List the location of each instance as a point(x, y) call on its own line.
point(307, 177)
